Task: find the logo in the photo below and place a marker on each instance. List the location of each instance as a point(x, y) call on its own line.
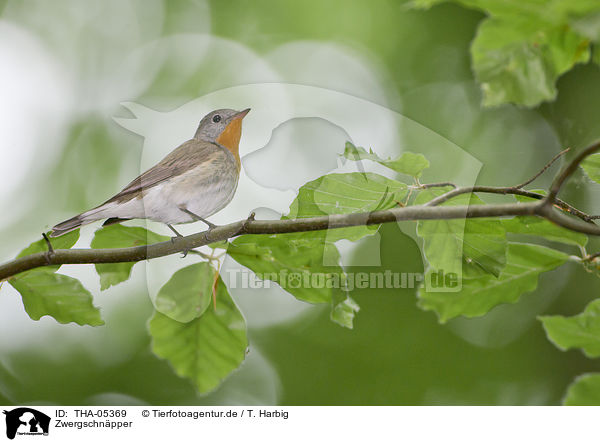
point(26, 421)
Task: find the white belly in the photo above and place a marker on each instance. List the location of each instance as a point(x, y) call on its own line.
point(202, 191)
point(164, 202)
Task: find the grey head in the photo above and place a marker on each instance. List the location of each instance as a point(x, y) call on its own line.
point(214, 123)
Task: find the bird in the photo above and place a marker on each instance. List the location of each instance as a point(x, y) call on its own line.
point(193, 182)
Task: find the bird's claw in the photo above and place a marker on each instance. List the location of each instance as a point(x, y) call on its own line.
point(177, 234)
point(210, 225)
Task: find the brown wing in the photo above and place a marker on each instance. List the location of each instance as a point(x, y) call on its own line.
point(187, 156)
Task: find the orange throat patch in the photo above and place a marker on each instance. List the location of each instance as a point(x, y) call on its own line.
point(230, 138)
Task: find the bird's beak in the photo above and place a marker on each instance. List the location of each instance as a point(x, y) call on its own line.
point(241, 114)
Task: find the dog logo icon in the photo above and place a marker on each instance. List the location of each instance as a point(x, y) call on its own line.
point(26, 421)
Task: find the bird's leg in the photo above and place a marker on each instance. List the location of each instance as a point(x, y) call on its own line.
point(177, 236)
point(198, 218)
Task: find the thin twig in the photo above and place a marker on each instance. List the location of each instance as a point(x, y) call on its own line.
point(48, 243)
point(591, 257)
point(514, 190)
point(545, 168)
point(567, 172)
point(50, 251)
point(443, 184)
point(508, 191)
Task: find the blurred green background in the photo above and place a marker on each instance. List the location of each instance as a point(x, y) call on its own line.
point(74, 62)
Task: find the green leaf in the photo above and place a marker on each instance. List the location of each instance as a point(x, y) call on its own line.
point(588, 25)
point(585, 390)
point(522, 48)
point(480, 242)
point(520, 64)
point(187, 295)
point(530, 225)
point(46, 293)
point(219, 245)
point(290, 260)
point(56, 295)
point(580, 331)
point(301, 262)
point(206, 349)
point(424, 4)
point(343, 312)
point(591, 167)
point(484, 244)
point(481, 292)
point(357, 153)
point(297, 261)
point(342, 193)
point(116, 236)
point(408, 163)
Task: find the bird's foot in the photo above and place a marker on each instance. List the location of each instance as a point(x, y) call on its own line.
point(209, 224)
point(178, 236)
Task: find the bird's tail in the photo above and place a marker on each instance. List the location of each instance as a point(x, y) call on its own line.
point(68, 226)
point(77, 221)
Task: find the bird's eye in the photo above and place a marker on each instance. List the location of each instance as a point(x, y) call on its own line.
point(216, 118)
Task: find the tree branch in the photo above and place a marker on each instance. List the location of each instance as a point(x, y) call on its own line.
point(518, 189)
point(543, 208)
point(568, 171)
point(250, 227)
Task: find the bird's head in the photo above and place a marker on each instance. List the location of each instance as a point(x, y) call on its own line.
point(222, 126)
